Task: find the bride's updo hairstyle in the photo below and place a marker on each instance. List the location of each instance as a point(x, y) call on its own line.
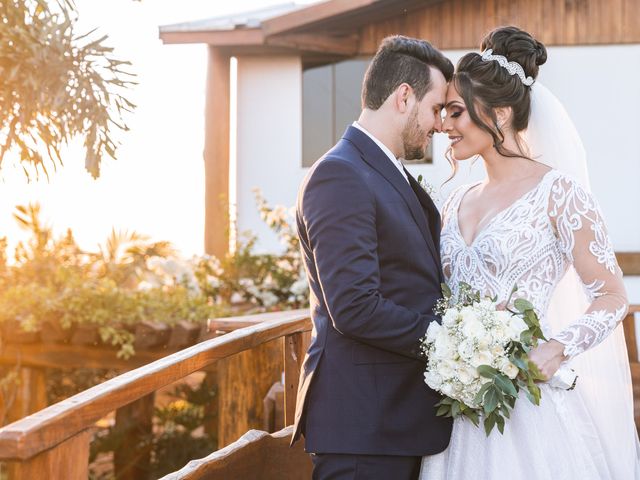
point(485, 85)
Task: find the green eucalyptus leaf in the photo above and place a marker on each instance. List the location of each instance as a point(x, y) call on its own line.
point(487, 371)
point(489, 423)
point(473, 416)
point(522, 305)
point(500, 423)
point(491, 399)
point(455, 409)
point(443, 411)
point(506, 385)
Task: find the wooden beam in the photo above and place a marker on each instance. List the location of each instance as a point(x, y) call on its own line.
point(75, 356)
point(629, 262)
point(255, 455)
point(346, 45)
point(218, 38)
point(55, 424)
point(230, 324)
point(312, 14)
point(216, 154)
point(345, 16)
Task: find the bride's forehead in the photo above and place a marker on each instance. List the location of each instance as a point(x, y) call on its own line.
point(452, 94)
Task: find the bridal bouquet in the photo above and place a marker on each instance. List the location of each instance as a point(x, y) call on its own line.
point(478, 356)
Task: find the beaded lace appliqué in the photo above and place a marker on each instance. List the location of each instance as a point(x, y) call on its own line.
point(531, 244)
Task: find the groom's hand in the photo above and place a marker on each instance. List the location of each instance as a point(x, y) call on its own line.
point(548, 357)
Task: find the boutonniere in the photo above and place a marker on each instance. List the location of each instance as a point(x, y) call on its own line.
point(430, 190)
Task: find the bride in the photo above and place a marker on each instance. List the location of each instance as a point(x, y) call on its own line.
point(533, 223)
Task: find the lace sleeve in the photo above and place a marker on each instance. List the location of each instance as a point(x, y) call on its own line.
point(585, 243)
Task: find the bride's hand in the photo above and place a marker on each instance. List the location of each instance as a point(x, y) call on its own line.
point(548, 357)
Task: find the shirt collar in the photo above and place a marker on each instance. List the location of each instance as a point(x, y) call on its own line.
point(384, 148)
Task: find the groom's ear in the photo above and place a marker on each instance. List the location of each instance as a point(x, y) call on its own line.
point(403, 97)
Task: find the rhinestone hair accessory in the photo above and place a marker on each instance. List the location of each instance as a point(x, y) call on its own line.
point(514, 68)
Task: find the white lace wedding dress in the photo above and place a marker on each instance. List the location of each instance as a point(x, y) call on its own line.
point(531, 244)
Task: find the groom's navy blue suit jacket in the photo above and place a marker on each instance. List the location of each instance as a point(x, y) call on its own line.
point(370, 242)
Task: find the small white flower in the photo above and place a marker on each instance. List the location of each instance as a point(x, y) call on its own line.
point(300, 287)
point(236, 298)
point(268, 299)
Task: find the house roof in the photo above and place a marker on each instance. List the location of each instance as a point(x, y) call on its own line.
point(324, 29)
point(251, 19)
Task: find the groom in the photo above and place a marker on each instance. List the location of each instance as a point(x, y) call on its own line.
point(370, 239)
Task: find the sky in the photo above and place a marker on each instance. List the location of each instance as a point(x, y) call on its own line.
point(156, 187)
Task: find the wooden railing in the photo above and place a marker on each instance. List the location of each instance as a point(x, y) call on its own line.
point(54, 442)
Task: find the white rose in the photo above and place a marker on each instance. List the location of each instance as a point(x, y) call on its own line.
point(500, 334)
point(443, 344)
point(484, 342)
point(508, 368)
point(450, 318)
point(497, 351)
point(481, 358)
point(467, 374)
point(473, 328)
point(432, 331)
point(433, 379)
point(447, 389)
point(468, 314)
point(466, 349)
point(447, 369)
point(517, 326)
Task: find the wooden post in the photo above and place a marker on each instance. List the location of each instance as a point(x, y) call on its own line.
point(294, 350)
point(629, 325)
point(216, 154)
point(134, 423)
point(243, 381)
point(30, 394)
point(68, 460)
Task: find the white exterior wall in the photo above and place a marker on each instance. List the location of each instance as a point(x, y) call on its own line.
point(269, 138)
point(603, 101)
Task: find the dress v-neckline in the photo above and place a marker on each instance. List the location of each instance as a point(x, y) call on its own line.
point(480, 232)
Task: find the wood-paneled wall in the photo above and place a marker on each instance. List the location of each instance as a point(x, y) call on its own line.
point(453, 24)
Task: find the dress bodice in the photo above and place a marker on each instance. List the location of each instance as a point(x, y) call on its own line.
point(531, 244)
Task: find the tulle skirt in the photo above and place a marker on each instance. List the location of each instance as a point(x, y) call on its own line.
point(555, 440)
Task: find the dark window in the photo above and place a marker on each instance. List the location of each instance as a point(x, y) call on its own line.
point(330, 103)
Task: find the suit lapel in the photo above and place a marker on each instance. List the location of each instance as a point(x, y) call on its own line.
point(377, 159)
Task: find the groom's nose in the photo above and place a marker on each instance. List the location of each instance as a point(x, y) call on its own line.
point(437, 126)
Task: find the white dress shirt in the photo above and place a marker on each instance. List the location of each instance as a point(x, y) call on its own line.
point(383, 147)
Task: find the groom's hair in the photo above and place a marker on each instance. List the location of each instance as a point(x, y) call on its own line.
point(401, 60)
